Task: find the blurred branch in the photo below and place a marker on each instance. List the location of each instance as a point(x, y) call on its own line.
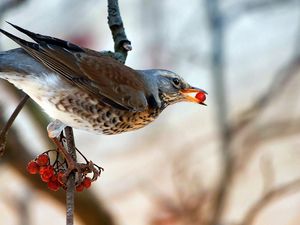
point(7, 126)
point(271, 130)
point(229, 133)
point(9, 5)
point(281, 81)
point(243, 8)
point(269, 198)
point(215, 20)
point(282, 77)
point(267, 170)
point(268, 132)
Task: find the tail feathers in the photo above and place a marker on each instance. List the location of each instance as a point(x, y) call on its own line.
point(21, 42)
point(43, 39)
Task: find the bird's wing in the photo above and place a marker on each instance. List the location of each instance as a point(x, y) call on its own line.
point(104, 77)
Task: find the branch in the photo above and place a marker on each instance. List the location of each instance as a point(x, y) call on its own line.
point(7, 126)
point(9, 5)
point(70, 146)
point(122, 44)
point(252, 6)
point(282, 77)
point(269, 198)
point(215, 19)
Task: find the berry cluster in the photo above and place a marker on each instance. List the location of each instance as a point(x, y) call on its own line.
point(54, 173)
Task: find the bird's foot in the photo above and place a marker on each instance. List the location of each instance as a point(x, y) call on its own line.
point(81, 170)
point(55, 129)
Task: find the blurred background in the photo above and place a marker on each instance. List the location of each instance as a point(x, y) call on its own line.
point(234, 162)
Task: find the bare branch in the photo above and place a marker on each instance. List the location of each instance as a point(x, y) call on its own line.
point(268, 198)
point(70, 146)
point(282, 77)
point(9, 5)
point(7, 126)
point(267, 170)
point(122, 44)
point(215, 19)
point(271, 131)
point(252, 6)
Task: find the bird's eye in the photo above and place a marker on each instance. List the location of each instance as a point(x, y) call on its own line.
point(176, 81)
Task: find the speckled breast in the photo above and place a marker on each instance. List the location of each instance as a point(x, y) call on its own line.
point(82, 111)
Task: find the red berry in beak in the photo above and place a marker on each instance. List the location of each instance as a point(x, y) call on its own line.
point(201, 96)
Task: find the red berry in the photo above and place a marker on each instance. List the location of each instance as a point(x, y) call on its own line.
point(42, 169)
point(79, 188)
point(45, 178)
point(47, 173)
point(53, 178)
point(33, 167)
point(54, 185)
point(201, 96)
point(43, 160)
point(87, 182)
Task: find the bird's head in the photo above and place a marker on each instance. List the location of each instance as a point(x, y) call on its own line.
point(172, 88)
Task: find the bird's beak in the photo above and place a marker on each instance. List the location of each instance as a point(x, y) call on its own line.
point(193, 94)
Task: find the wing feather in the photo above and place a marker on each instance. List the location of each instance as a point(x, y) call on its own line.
point(106, 78)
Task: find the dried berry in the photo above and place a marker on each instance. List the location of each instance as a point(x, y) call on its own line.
point(87, 182)
point(43, 160)
point(33, 167)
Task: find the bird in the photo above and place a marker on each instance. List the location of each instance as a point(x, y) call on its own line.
point(87, 90)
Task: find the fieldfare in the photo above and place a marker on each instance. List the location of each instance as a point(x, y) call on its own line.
point(85, 89)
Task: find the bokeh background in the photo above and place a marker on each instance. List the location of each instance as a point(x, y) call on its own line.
point(234, 162)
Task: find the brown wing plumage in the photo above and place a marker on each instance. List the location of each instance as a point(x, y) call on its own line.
point(106, 78)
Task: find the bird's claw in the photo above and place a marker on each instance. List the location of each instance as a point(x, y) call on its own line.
point(81, 170)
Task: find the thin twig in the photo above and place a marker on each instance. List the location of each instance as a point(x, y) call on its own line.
point(5, 129)
point(268, 198)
